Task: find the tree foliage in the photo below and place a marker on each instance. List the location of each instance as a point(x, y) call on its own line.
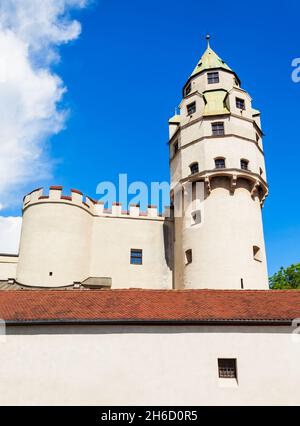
point(286, 278)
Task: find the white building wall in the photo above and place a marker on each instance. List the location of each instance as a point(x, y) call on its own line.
point(162, 365)
point(66, 240)
point(8, 266)
point(112, 240)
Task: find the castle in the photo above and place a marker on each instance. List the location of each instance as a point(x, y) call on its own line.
point(70, 240)
point(140, 308)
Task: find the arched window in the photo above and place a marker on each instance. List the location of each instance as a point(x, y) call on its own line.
point(220, 163)
point(194, 167)
point(244, 164)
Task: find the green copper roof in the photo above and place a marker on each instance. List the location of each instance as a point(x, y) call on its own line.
point(209, 60)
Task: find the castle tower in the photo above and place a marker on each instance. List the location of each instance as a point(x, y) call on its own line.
point(216, 145)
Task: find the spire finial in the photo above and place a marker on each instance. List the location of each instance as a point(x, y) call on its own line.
point(208, 39)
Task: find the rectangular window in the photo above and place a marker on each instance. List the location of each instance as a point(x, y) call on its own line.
point(220, 163)
point(257, 253)
point(218, 129)
point(244, 164)
point(188, 257)
point(176, 147)
point(213, 77)
point(240, 103)
point(136, 257)
point(188, 89)
point(191, 108)
point(227, 368)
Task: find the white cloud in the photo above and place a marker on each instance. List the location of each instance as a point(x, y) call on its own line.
point(30, 92)
point(10, 229)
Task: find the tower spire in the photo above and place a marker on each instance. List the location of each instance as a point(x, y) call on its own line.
point(208, 40)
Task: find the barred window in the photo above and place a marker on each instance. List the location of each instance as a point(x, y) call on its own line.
point(218, 128)
point(240, 103)
point(191, 108)
point(213, 77)
point(244, 164)
point(136, 257)
point(194, 167)
point(220, 163)
point(227, 368)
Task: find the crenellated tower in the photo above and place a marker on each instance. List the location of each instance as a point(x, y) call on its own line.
point(217, 140)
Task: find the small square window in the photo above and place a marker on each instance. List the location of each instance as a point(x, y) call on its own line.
point(194, 168)
point(191, 108)
point(213, 77)
point(136, 257)
point(218, 129)
point(244, 164)
point(240, 103)
point(220, 163)
point(227, 368)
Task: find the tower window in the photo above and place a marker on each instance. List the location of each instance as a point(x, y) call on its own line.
point(217, 129)
point(244, 164)
point(188, 257)
point(191, 108)
point(213, 77)
point(50, 274)
point(175, 147)
point(136, 257)
point(257, 253)
point(220, 163)
point(188, 89)
point(261, 172)
point(227, 368)
point(240, 103)
point(194, 167)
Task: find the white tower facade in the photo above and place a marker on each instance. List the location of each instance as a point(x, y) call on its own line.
point(216, 140)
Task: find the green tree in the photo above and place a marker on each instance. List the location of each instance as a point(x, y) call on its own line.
point(286, 278)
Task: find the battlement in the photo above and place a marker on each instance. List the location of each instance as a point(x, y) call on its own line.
point(91, 206)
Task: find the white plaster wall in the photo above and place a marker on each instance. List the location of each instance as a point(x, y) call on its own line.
point(55, 237)
point(222, 245)
point(227, 81)
point(105, 365)
point(8, 267)
point(232, 148)
point(112, 240)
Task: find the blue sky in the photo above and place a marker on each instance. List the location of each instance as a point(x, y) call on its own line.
point(124, 77)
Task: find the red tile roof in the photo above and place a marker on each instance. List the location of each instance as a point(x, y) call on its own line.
point(149, 305)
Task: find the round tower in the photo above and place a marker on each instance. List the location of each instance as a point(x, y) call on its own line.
point(216, 155)
point(55, 239)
